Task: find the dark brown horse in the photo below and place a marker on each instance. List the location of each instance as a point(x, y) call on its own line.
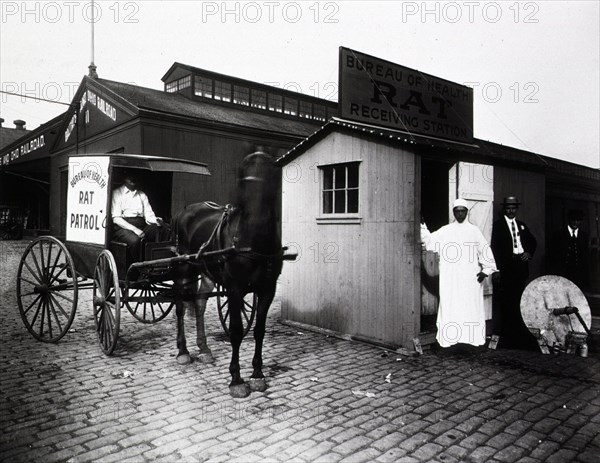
point(251, 228)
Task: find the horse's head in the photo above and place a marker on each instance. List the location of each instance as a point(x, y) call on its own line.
point(258, 181)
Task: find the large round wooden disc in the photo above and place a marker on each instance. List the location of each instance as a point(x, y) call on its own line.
point(549, 292)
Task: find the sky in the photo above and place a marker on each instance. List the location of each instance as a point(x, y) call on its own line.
point(534, 66)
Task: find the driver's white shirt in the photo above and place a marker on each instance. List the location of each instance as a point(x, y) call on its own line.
point(128, 204)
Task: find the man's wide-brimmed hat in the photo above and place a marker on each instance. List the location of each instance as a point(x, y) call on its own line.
point(511, 201)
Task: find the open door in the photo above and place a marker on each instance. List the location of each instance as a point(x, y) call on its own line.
point(475, 183)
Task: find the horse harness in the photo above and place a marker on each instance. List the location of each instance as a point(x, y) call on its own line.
point(217, 242)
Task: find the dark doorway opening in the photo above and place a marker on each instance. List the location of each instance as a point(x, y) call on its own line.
point(434, 212)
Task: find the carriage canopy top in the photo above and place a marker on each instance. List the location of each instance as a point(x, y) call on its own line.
point(157, 163)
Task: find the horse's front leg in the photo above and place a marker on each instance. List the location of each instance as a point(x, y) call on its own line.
point(182, 292)
point(237, 388)
point(257, 380)
point(206, 287)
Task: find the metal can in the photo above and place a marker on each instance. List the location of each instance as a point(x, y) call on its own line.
point(583, 350)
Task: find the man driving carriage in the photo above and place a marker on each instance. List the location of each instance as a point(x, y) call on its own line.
point(133, 217)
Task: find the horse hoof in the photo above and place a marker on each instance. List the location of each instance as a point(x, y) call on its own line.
point(184, 359)
point(239, 391)
point(258, 384)
point(206, 358)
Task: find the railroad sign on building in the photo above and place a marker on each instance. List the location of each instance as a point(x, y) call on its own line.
point(378, 92)
point(87, 199)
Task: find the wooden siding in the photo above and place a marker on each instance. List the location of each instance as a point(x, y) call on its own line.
point(357, 279)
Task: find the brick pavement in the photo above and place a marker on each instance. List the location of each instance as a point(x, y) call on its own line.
point(68, 402)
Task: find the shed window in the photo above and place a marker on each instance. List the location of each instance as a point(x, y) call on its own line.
point(339, 188)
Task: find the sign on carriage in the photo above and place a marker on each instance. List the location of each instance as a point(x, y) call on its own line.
point(87, 199)
point(378, 92)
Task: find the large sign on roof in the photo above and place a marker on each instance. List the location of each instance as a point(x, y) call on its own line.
point(378, 92)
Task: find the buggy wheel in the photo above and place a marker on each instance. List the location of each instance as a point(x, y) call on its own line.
point(107, 302)
point(47, 289)
point(248, 310)
point(149, 302)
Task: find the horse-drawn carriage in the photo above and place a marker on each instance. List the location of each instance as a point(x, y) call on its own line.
point(226, 245)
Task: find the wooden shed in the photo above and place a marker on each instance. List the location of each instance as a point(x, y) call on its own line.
point(353, 196)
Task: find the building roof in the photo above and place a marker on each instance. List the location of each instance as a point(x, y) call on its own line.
point(47, 129)
point(9, 135)
point(210, 111)
point(178, 70)
point(479, 151)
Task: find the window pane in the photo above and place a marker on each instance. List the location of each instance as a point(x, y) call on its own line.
point(241, 95)
point(259, 99)
point(338, 197)
point(291, 106)
point(172, 87)
point(340, 177)
point(327, 202)
point(203, 87)
point(185, 82)
point(328, 178)
point(352, 201)
point(353, 175)
point(340, 201)
point(222, 91)
point(305, 109)
point(320, 112)
point(275, 102)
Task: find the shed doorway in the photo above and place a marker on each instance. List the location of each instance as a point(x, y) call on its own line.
point(441, 183)
point(435, 193)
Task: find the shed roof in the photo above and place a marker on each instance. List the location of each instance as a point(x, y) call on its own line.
point(479, 151)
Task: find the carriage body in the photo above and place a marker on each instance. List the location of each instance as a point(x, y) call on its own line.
point(91, 180)
point(52, 271)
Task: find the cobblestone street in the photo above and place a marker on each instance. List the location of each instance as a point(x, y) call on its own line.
point(328, 399)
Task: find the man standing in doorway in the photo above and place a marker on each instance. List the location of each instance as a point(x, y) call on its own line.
point(465, 261)
point(568, 252)
point(513, 246)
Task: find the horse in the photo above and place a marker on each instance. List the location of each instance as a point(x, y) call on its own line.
point(250, 231)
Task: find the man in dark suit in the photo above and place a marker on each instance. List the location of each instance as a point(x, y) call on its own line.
point(513, 246)
point(568, 252)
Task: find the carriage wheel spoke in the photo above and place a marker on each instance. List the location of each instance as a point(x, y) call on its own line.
point(55, 277)
point(245, 314)
point(49, 255)
point(54, 265)
point(144, 304)
point(62, 296)
point(37, 312)
point(42, 260)
point(28, 281)
point(35, 275)
point(31, 305)
point(58, 304)
point(49, 319)
point(41, 332)
point(37, 265)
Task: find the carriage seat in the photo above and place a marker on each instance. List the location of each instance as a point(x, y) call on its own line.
point(148, 251)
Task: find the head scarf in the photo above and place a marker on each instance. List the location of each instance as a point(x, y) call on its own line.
point(460, 203)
